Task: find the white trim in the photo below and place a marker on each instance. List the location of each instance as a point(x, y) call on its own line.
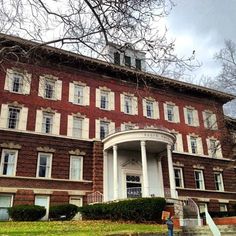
point(81, 166)
point(47, 198)
point(2, 159)
point(181, 176)
point(49, 155)
point(202, 179)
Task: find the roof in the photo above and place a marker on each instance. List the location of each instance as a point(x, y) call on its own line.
point(156, 79)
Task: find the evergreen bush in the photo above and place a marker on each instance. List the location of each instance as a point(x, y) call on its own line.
point(138, 210)
point(26, 212)
point(65, 212)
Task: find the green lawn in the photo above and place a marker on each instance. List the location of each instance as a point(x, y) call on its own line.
point(75, 228)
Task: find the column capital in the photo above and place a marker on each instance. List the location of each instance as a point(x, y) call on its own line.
point(114, 147)
point(143, 143)
point(169, 146)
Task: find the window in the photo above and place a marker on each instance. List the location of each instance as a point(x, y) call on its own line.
point(76, 167)
point(133, 186)
point(202, 207)
point(170, 112)
point(44, 165)
point(117, 58)
point(8, 162)
point(47, 123)
point(5, 203)
point(17, 83)
point(104, 129)
point(178, 146)
point(49, 90)
point(13, 117)
point(128, 105)
point(178, 177)
point(219, 181)
point(190, 116)
point(209, 119)
point(223, 207)
point(127, 61)
point(138, 64)
point(104, 100)
point(150, 110)
point(199, 181)
point(43, 201)
point(213, 147)
point(193, 143)
point(77, 127)
point(78, 94)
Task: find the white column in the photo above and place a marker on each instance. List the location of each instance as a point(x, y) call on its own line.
point(160, 175)
point(171, 172)
point(144, 168)
point(105, 187)
point(115, 178)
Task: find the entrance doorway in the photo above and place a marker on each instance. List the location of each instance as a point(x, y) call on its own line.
point(133, 186)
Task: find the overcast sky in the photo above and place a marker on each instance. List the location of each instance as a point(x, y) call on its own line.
point(202, 25)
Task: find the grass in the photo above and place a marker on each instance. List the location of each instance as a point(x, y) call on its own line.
point(75, 228)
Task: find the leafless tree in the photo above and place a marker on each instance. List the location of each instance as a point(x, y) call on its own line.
point(226, 80)
point(86, 26)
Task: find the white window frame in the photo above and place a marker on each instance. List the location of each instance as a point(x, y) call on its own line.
point(10, 119)
point(171, 114)
point(202, 207)
point(106, 130)
point(104, 100)
point(150, 109)
point(214, 151)
point(193, 144)
point(24, 84)
point(201, 180)
point(199, 147)
point(180, 177)
point(79, 97)
point(47, 198)
point(178, 146)
point(5, 207)
point(77, 131)
point(210, 120)
point(52, 85)
point(128, 105)
point(48, 165)
point(45, 124)
point(72, 167)
point(219, 184)
point(224, 207)
point(14, 164)
point(191, 116)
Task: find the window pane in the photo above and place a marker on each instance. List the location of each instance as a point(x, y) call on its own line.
point(13, 117)
point(117, 58)
point(104, 128)
point(149, 108)
point(78, 94)
point(49, 89)
point(8, 162)
point(138, 64)
point(17, 83)
point(127, 61)
point(77, 127)
point(104, 100)
point(44, 165)
point(193, 142)
point(76, 168)
point(170, 113)
point(190, 116)
point(128, 105)
point(47, 123)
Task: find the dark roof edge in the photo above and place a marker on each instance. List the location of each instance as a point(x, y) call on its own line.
point(175, 83)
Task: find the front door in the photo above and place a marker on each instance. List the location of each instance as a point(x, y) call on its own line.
point(133, 186)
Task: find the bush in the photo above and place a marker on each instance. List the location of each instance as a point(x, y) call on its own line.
point(138, 210)
point(68, 211)
point(26, 212)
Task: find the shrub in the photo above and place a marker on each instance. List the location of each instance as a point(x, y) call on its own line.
point(139, 210)
point(68, 211)
point(26, 212)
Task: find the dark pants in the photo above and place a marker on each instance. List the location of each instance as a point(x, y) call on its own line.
point(170, 232)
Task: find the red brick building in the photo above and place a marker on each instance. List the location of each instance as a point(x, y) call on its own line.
point(72, 125)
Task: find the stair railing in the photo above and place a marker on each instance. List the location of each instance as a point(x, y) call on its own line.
point(214, 229)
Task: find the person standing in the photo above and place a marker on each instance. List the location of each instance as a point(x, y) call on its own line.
point(170, 226)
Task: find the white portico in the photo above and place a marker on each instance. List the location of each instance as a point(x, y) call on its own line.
point(133, 166)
